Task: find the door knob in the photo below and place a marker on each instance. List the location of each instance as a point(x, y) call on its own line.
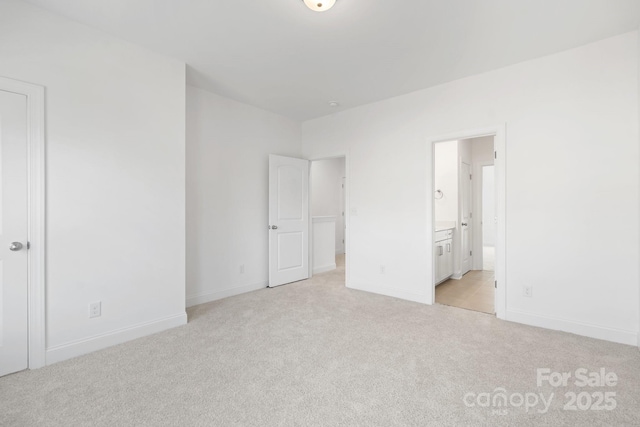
point(464, 224)
point(274, 227)
point(15, 246)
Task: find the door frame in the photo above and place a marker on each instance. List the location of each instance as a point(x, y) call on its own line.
point(36, 254)
point(347, 238)
point(499, 146)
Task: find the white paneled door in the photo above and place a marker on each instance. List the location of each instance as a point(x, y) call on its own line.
point(288, 220)
point(13, 233)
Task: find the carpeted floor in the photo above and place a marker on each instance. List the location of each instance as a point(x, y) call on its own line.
point(315, 353)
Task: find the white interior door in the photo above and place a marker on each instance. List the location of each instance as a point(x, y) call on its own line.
point(465, 217)
point(13, 233)
point(288, 220)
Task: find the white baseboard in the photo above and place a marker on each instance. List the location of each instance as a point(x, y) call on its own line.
point(390, 292)
point(98, 342)
point(578, 328)
point(225, 293)
point(322, 269)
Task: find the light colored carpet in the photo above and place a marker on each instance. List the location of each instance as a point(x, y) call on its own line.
point(314, 353)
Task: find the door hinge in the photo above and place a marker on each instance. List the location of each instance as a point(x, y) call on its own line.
point(28, 245)
point(471, 215)
point(470, 176)
point(495, 284)
point(495, 154)
point(470, 253)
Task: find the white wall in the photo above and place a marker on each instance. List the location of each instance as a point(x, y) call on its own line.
point(327, 195)
point(446, 180)
point(482, 149)
point(115, 178)
point(324, 252)
point(571, 178)
point(228, 144)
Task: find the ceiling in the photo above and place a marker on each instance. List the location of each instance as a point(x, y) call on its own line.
point(280, 56)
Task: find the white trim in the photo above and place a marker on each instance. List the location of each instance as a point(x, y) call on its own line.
point(118, 336)
point(225, 293)
point(499, 146)
point(36, 207)
point(578, 328)
point(324, 268)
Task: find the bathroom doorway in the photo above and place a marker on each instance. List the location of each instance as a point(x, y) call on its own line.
point(467, 199)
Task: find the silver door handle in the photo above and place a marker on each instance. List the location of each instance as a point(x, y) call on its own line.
point(274, 227)
point(15, 246)
point(440, 250)
point(464, 224)
point(448, 247)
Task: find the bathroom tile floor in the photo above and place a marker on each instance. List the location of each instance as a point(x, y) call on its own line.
point(475, 291)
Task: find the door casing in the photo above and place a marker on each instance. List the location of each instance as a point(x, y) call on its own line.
point(36, 253)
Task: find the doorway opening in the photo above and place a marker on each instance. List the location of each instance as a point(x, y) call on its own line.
point(328, 218)
point(468, 221)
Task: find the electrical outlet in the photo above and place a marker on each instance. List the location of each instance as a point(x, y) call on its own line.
point(527, 291)
point(382, 269)
point(241, 269)
point(95, 309)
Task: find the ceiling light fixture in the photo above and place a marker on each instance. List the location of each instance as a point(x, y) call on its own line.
point(334, 104)
point(319, 5)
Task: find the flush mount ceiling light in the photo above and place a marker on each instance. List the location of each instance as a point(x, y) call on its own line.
point(319, 5)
